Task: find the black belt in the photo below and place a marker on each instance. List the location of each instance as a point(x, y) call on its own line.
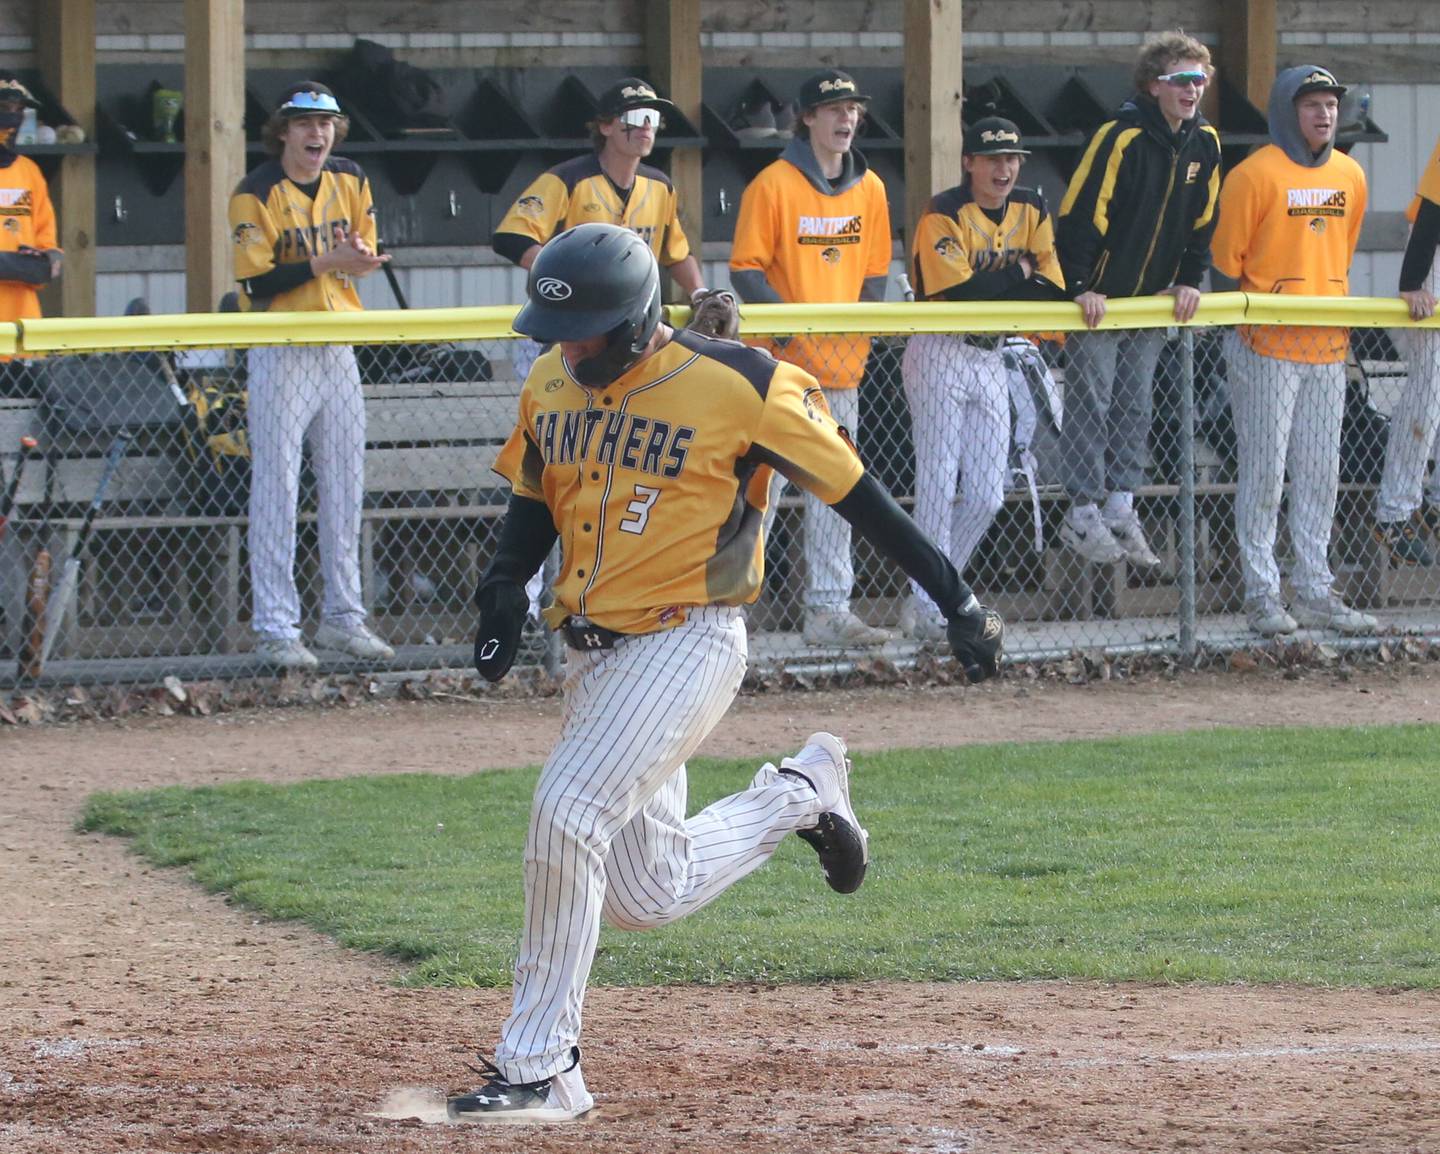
point(585, 635)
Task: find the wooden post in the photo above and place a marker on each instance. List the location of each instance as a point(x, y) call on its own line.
point(65, 47)
point(1247, 49)
point(214, 144)
point(672, 46)
point(934, 136)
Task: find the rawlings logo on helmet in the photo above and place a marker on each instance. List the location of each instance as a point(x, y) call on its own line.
point(553, 289)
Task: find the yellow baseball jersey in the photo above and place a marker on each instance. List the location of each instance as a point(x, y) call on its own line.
point(1429, 188)
point(657, 484)
point(955, 239)
point(579, 192)
point(1285, 228)
point(273, 222)
point(26, 218)
point(813, 248)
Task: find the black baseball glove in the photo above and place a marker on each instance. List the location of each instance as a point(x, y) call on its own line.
point(715, 313)
point(502, 606)
point(976, 636)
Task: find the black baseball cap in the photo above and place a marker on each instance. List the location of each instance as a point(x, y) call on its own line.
point(827, 87)
point(308, 98)
point(632, 92)
point(12, 89)
point(994, 136)
point(1320, 80)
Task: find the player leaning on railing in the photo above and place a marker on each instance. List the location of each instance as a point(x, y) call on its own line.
point(1416, 417)
point(648, 452)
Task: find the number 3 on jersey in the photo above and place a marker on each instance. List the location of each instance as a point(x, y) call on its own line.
point(639, 510)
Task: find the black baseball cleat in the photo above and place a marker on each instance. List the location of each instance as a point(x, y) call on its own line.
point(838, 837)
point(561, 1097)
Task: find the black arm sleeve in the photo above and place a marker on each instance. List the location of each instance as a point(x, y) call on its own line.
point(512, 245)
point(1007, 284)
point(877, 517)
point(281, 278)
point(1420, 250)
point(526, 535)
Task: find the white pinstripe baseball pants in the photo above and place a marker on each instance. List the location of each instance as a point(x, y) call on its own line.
point(298, 394)
point(829, 566)
point(608, 833)
point(1287, 417)
point(960, 420)
point(1413, 425)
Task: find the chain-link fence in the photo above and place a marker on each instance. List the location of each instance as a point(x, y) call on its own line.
point(1132, 490)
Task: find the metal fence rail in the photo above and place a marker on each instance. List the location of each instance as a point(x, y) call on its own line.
point(974, 429)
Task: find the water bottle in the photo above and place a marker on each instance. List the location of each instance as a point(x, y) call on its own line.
point(26, 132)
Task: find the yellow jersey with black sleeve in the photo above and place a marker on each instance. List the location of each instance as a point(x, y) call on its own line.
point(1429, 188)
point(815, 247)
point(273, 222)
point(579, 192)
point(1288, 228)
point(958, 246)
point(672, 459)
point(27, 220)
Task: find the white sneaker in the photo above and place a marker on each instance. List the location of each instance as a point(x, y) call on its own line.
point(1131, 538)
point(922, 624)
point(285, 653)
point(842, 629)
point(1084, 531)
point(558, 1098)
point(1267, 617)
point(356, 641)
point(838, 837)
point(1329, 612)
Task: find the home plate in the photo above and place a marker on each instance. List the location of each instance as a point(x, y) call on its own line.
point(412, 1102)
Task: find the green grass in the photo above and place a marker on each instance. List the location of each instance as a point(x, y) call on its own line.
point(1307, 856)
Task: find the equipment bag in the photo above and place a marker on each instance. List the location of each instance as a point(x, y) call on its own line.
point(106, 392)
point(217, 444)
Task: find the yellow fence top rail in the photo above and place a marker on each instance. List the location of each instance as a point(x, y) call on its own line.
point(423, 326)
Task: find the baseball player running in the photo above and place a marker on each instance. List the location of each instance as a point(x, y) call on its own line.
point(303, 226)
point(610, 185)
point(983, 240)
point(1416, 419)
point(815, 226)
point(1290, 216)
point(648, 453)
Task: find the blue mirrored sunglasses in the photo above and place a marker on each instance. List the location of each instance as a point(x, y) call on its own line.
point(312, 102)
point(1184, 79)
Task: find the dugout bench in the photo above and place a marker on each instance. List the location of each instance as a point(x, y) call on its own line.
point(176, 581)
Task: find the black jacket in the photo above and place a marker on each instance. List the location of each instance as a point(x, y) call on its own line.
point(1141, 208)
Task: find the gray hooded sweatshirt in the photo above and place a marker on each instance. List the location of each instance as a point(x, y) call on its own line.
point(1285, 123)
point(750, 283)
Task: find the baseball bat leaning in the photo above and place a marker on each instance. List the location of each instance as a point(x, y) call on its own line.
point(64, 592)
point(7, 503)
point(37, 589)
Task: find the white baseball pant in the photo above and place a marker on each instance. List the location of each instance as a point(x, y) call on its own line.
point(829, 568)
point(1287, 417)
point(960, 420)
point(299, 394)
point(608, 835)
point(1413, 425)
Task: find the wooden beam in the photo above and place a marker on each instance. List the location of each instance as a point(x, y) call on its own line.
point(214, 144)
point(1248, 42)
point(672, 48)
point(65, 48)
point(934, 136)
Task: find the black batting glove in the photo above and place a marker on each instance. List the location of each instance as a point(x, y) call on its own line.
point(976, 635)
point(503, 606)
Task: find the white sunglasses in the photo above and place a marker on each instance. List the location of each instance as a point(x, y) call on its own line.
point(642, 118)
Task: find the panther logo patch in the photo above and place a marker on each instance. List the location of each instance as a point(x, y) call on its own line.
point(948, 248)
point(831, 256)
point(530, 206)
point(246, 234)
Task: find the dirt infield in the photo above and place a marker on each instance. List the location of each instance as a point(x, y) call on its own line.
point(138, 1014)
